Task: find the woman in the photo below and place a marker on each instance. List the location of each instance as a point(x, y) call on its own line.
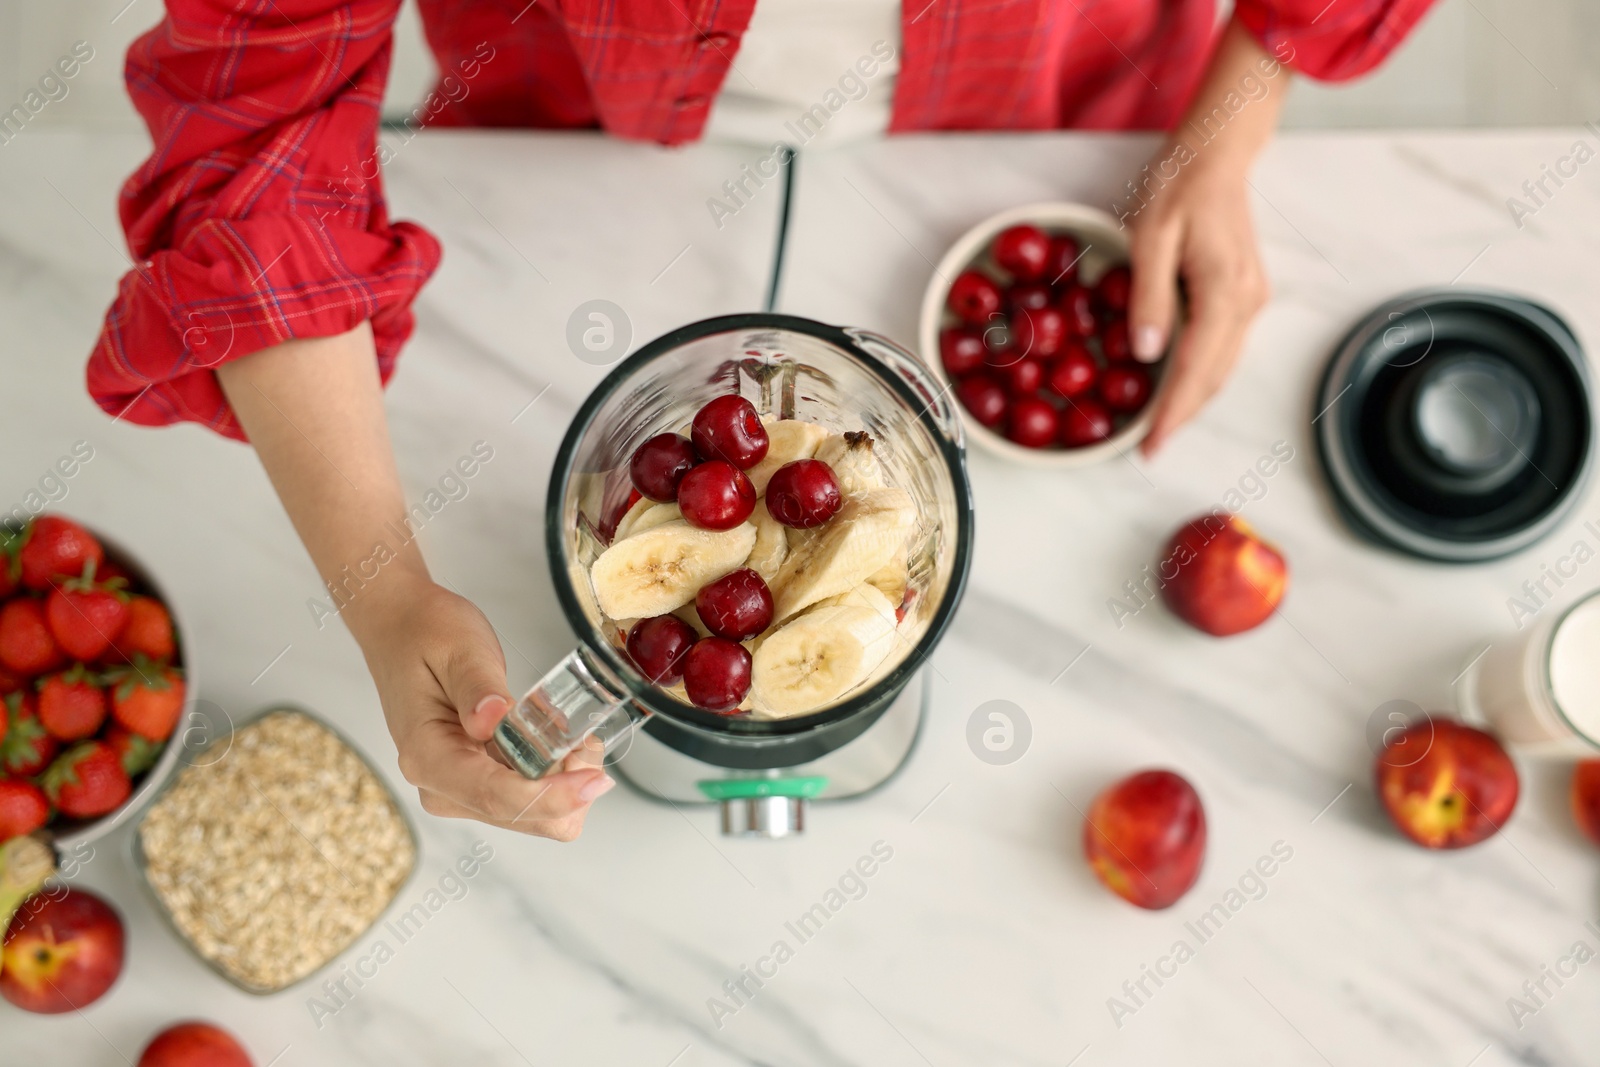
point(259, 219)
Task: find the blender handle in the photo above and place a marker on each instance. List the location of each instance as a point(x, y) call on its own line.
point(916, 374)
point(580, 704)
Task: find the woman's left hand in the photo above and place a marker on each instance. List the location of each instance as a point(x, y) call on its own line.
point(1197, 229)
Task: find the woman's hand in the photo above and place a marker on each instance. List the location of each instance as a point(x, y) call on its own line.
point(441, 678)
point(313, 409)
point(1197, 228)
point(1192, 224)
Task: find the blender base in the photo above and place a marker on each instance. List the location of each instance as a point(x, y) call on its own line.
point(862, 765)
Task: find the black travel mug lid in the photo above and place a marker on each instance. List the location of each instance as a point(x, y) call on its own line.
point(1456, 425)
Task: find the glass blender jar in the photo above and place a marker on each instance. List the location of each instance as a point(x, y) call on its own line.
point(788, 367)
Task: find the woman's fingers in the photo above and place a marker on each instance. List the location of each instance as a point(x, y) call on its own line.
point(444, 761)
point(1205, 352)
point(1153, 299)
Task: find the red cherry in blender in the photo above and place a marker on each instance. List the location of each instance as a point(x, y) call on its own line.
point(1114, 288)
point(736, 606)
point(1125, 387)
point(1078, 308)
point(984, 397)
point(659, 646)
point(716, 674)
point(1022, 378)
point(1033, 423)
point(1062, 264)
point(1085, 422)
point(1033, 295)
point(1074, 373)
point(659, 465)
point(804, 494)
point(974, 297)
point(1039, 332)
point(961, 350)
point(716, 496)
point(729, 429)
point(1023, 250)
point(1114, 340)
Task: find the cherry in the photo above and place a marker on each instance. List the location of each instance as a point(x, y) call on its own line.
point(1033, 423)
point(1040, 332)
point(998, 341)
point(961, 349)
point(984, 398)
point(659, 465)
point(729, 429)
point(1074, 373)
point(716, 496)
point(1022, 378)
point(804, 494)
point(1032, 295)
point(736, 606)
point(1062, 263)
point(716, 674)
point(1023, 250)
point(658, 647)
point(1114, 340)
point(1125, 387)
point(1085, 422)
point(1078, 308)
point(974, 297)
point(1114, 288)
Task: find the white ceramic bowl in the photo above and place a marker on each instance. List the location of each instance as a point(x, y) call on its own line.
point(1105, 246)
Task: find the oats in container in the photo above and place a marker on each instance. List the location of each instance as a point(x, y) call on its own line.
point(275, 851)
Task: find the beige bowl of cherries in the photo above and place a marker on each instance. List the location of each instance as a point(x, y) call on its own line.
point(1026, 319)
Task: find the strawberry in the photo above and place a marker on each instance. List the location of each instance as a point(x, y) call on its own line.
point(147, 698)
point(28, 747)
point(55, 546)
point(86, 618)
point(138, 754)
point(10, 568)
point(26, 645)
point(10, 683)
point(23, 808)
point(149, 630)
point(87, 780)
point(71, 705)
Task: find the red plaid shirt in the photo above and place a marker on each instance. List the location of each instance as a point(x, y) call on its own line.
point(260, 216)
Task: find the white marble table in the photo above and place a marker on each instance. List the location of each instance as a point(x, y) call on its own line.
point(984, 940)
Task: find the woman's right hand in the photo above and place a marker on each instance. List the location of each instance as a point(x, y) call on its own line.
point(441, 678)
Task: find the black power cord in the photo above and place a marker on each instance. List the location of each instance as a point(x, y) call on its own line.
point(791, 164)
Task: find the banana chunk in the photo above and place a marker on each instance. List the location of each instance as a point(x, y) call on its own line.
point(654, 572)
point(772, 544)
point(820, 656)
point(863, 537)
point(788, 440)
point(853, 462)
point(892, 578)
point(645, 515)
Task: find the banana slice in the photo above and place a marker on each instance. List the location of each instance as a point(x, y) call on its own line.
point(689, 615)
point(789, 440)
point(645, 515)
point(630, 517)
point(892, 578)
point(819, 657)
point(835, 558)
point(850, 455)
point(772, 543)
point(653, 572)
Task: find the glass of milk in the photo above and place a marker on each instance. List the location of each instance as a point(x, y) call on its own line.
point(1541, 689)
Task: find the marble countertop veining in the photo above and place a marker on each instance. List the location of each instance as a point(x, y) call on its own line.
point(982, 938)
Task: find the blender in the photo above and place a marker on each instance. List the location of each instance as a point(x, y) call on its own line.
point(761, 771)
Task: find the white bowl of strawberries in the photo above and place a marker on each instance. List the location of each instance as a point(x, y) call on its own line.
point(1025, 319)
point(92, 684)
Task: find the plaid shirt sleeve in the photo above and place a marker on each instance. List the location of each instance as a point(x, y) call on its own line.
point(1330, 41)
point(259, 216)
